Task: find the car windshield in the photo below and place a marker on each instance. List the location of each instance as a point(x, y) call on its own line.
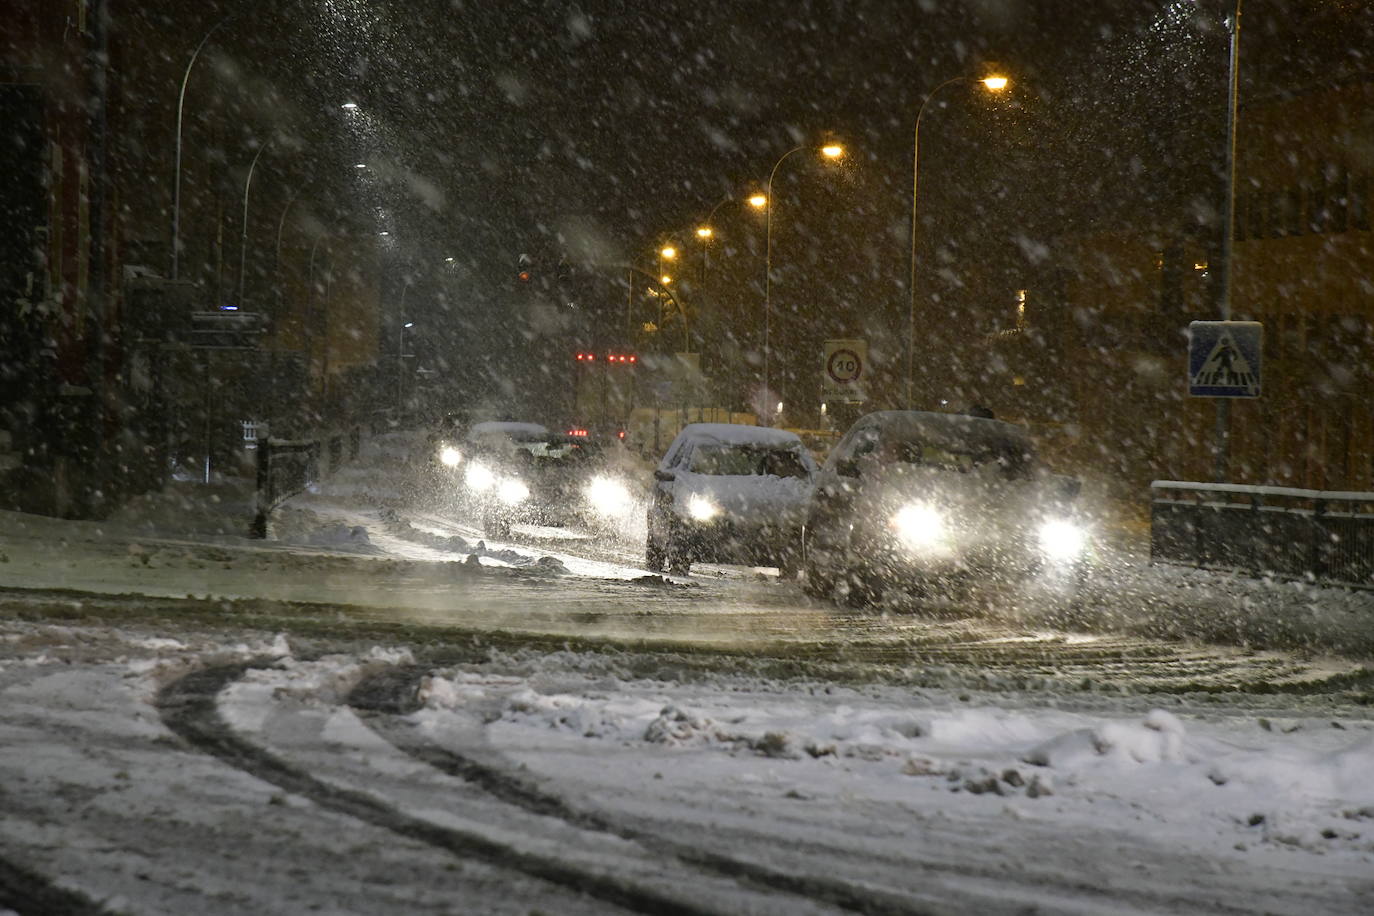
point(748, 461)
point(1010, 462)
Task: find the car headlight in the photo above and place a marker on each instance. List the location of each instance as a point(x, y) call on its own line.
point(608, 496)
point(479, 477)
point(1062, 540)
point(512, 491)
point(918, 525)
point(450, 456)
point(702, 509)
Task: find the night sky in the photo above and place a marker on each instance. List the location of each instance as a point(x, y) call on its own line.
point(596, 131)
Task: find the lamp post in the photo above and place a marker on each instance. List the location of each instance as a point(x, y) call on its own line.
point(830, 151)
point(176, 173)
point(243, 237)
point(995, 84)
point(662, 281)
point(1223, 428)
point(401, 361)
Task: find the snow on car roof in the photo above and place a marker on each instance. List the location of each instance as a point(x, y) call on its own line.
point(506, 428)
point(738, 434)
point(948, 428)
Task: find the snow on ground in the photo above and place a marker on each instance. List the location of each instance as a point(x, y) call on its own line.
point(946, 799)
point(947, 802)
point(381, 531)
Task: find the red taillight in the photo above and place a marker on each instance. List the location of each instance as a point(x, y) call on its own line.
point(621, 434)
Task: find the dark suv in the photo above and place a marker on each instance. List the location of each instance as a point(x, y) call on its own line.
point(908, 499)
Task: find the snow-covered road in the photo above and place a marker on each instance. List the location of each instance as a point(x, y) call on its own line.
point(150, 774)
point(379, 712)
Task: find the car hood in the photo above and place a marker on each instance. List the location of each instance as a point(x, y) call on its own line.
point(752, 500)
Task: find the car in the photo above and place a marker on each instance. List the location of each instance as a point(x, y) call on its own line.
point(522, 473)
point(729, 493)
point(913, 499)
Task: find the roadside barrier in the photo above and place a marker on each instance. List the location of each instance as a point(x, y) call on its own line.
point(286, 467)
point(1320, 535)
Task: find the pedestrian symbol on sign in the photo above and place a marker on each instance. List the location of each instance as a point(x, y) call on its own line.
point(1226, 366)
point(1224, 359)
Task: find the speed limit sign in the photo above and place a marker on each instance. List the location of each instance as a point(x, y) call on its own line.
point(844, 363)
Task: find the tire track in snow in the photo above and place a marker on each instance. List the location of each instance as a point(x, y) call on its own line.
point(380, 699)
point(27, 892)
point(188, 707)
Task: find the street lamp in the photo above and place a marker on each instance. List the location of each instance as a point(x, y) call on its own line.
point(401, 357)
point(993, 84)
point(758, 201)
point(176, 174)
point(1223, 427)
point(243, 236)
point(829, 151)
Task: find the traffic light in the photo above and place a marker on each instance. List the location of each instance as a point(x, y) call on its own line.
point(524, 269)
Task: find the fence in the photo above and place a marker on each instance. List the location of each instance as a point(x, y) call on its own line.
point(286, 467)
point(1326, 536)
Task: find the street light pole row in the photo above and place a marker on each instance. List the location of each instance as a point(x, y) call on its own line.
point(764, 201)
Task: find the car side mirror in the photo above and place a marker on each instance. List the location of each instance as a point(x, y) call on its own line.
point(665, 476)
point(847, 468)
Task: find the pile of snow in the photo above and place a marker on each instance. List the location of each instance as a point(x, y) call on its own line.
point(1243, 778)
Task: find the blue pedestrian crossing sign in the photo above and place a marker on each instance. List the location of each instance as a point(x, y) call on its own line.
point(1224, 359)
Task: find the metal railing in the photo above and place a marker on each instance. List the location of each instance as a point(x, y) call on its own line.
point(1311, 534)
point(286, 467)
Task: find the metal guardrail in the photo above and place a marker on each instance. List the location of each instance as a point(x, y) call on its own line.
point(286, 467)
point(1312, 534)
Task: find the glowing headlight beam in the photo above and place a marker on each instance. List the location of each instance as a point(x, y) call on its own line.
point(608, 496)
point(1062, 540)
point(702, 509)
point(512, 492)
point(479, 477)
point(918, 525)
point(450, 456)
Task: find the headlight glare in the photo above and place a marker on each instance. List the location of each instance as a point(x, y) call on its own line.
point(918, 525)
point(608, 496)
point(450, 456)
point(1062, 540)
point(702, 509)
point(512, 491)
point(479, 477)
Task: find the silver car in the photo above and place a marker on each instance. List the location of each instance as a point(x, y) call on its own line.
point(728, 493)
